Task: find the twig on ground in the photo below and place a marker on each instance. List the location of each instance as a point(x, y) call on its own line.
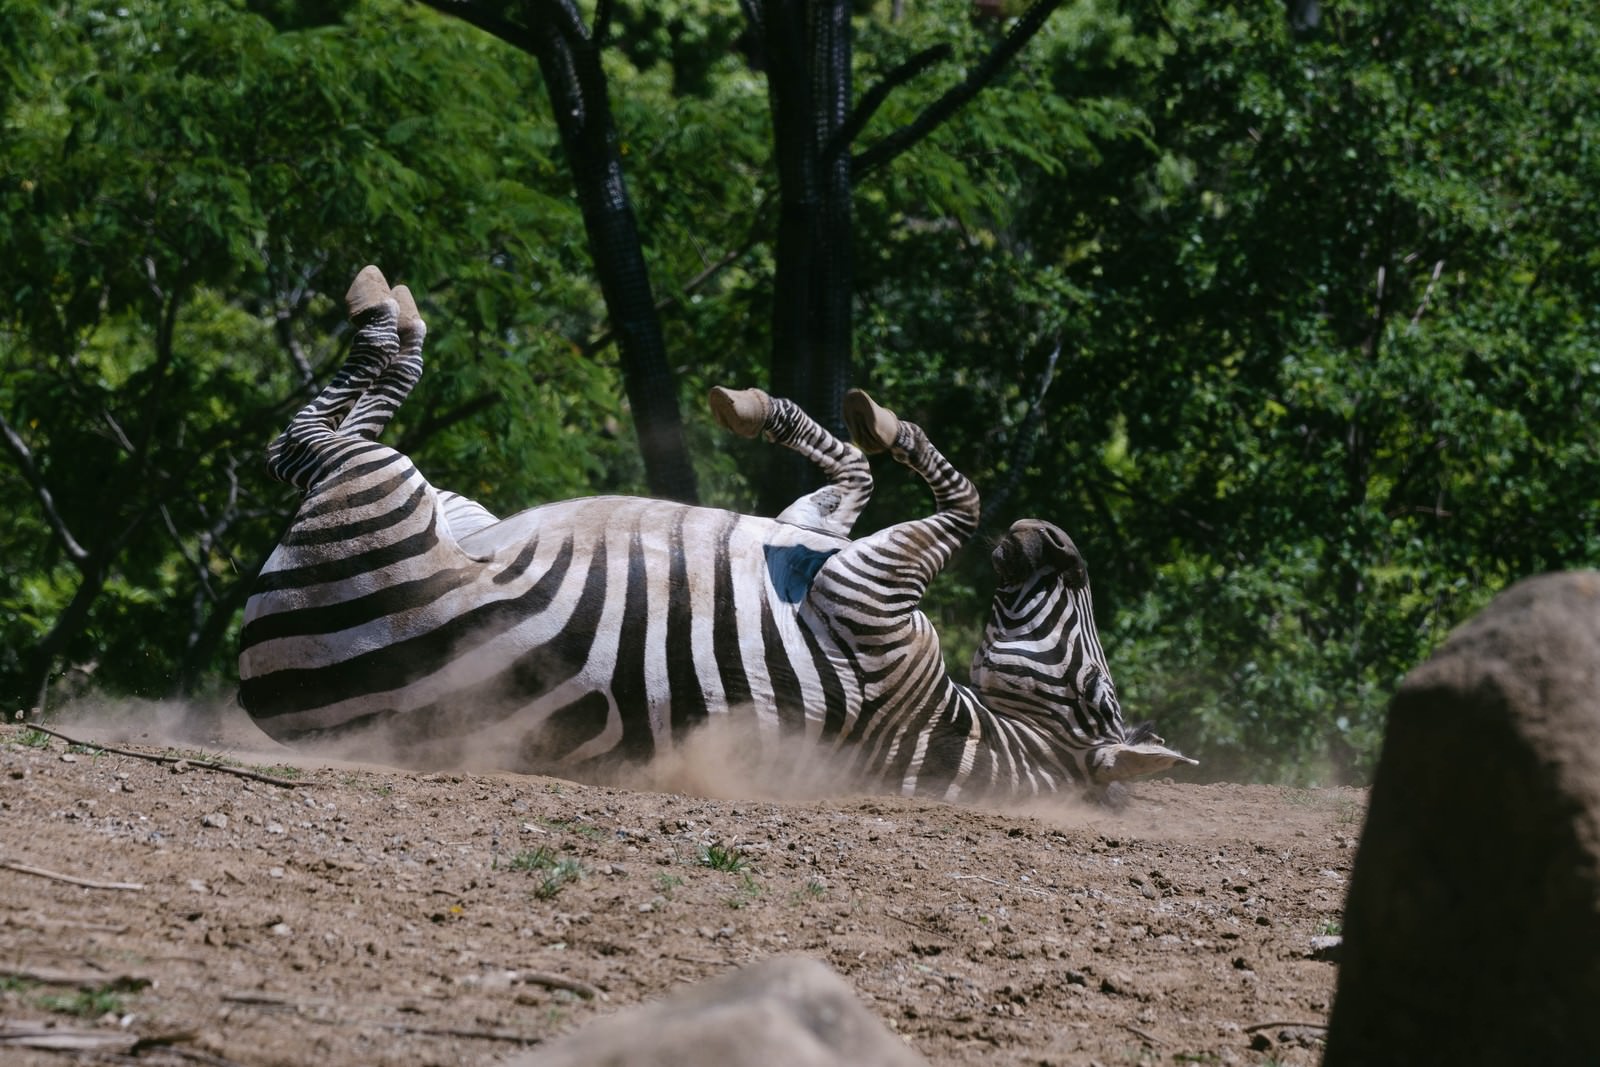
point(268, 1000)
point(90, 981)
point(167, 1040)
point(164, 757)
point(299, 1007)
point(998, 882)
point(185, 1053)
point(1294, 1026)
point(46, 922)
point(918, 926)
point(70, 879)
point(55, 1039)
point(561, 981)
point(1132, 1029)
point(454, 1031)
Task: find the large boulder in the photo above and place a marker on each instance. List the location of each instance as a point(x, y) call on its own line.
point(783, 1012)
point(1472, 929)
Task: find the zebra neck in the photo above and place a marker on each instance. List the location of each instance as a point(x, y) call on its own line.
point(973, 751)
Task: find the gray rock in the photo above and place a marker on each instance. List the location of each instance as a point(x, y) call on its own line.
point(1472, 927)
point(1325, 947)
point(784, 1012)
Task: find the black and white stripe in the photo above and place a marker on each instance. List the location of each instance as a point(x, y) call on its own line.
point(397, 618)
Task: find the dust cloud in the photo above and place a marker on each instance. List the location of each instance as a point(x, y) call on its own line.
point(729, 757)
point(734, 756)
point(217, 725)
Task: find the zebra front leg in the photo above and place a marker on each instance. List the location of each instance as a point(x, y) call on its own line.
point(835, 507)
point(307, 448)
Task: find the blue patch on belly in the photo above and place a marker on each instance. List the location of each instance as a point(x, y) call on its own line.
point(793, 568)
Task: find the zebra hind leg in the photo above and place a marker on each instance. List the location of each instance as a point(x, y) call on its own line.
point(300, 454)
point(375, 407)
point(915, 551)
point(835, 507)
point(372, 412)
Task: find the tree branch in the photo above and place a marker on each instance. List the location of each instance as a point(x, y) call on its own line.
point(413, 438)
point(952, 101)
point(1022, 450)
point(297, 352)
point(30, 473)
point(753, 15)
point(565, 16)
point(752, 238)
point(561, 15)
point(196, 562)
point(1438, 269)
point(495, 26)
point(874, 97)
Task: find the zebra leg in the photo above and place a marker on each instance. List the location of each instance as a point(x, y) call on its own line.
point(375, 407)
point(909, 555)
point(307, 448)
point(378, 404)
point(464, 515)
point(835, 507)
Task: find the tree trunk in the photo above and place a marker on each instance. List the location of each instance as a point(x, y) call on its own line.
point(570, 63)
point(807, 46)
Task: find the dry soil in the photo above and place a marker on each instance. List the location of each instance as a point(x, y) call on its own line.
point(364, 915)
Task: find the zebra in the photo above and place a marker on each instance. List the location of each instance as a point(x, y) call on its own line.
point(585, 636)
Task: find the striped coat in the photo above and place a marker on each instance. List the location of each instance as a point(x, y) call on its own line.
point(579, 636)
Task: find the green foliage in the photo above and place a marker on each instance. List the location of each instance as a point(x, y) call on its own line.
point(1341, 319)
point(557, 877)
point(813, 890)
point(186, 191)
point(1323, 307)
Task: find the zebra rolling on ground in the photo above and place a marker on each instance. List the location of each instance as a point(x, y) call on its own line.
point(584, 635)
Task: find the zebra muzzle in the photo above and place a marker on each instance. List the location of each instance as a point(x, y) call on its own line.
point(1118, 762)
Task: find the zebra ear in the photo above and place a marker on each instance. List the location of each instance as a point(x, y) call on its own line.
point(1114, 763)
point(1063, 555)
point(1145, 731)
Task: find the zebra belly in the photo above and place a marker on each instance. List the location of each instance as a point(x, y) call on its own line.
point(574, 633)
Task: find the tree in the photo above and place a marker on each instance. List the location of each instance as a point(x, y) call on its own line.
point(1341, 338)
point(180, 222)
point(1289, 325)
point(805, 49)
point(568, 53)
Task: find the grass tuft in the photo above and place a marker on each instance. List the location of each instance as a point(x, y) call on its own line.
point(557, 871)
point(86, 1004)
point(722, 858)
point(556, 879)
point(32, 738)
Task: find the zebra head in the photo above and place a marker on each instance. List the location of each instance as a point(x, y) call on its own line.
point(1041, 660)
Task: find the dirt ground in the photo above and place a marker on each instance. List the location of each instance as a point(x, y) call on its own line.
point(356, 915)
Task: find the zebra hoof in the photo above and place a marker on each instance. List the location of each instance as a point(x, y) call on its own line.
point(743, 411)
point(368, 291)
point(412, 328)
point(871, 427)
